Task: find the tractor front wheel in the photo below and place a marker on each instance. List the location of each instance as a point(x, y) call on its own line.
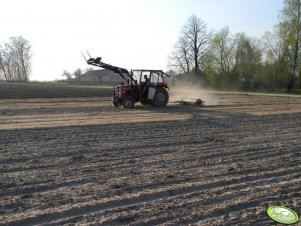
point(128, 103)
point(144, 102)
point(161, 98)
point(115, 102)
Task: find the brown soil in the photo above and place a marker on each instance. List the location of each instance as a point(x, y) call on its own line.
point(44, 90)
point(80, 160)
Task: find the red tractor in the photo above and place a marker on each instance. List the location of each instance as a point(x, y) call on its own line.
point(145, 86)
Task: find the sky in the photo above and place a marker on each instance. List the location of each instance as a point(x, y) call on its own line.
point(125, 33)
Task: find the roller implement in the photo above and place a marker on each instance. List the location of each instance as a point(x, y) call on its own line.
point(190, 101)
point(141, 85)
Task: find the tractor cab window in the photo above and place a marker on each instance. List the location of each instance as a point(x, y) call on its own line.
point(153, 76)
point(136, 75)
point(156, 78)
point(144, 75)
point(160, 79)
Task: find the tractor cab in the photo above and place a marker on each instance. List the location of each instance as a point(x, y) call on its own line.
point(155, 77)
point(148, 81)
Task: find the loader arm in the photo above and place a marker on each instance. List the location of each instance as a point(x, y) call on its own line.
point(121, 71)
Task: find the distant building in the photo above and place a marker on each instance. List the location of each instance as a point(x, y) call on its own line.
point(101, 75)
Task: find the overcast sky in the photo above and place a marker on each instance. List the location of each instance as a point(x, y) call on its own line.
point(126, 33)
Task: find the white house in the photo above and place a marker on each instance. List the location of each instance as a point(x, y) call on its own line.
point(101, 75)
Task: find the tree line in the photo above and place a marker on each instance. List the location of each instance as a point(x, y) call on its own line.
point(15, 60)
point(220, 58)
point(237, 60)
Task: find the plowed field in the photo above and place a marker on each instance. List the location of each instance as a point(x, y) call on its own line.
point(79, 160)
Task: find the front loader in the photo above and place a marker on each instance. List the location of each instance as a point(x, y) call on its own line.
point(145, 86)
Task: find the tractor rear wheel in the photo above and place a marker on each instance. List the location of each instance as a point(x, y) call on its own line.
point(161, 98)
point(128, 103)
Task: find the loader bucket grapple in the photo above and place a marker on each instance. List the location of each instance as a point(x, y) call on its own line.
point(140, 85)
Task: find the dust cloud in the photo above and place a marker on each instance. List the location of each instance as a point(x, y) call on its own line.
point(191, 91)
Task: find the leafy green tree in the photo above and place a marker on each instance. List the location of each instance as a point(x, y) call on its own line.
point(290, 31)
point(276, 59)
point(248, 61)
point(220, 59)
point(234, 60)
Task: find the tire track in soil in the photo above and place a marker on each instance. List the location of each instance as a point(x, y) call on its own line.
point(204, 157)
point(259, 143)
point(263, 177)
point(233, 159)
point(169, 142)
point(75, 212)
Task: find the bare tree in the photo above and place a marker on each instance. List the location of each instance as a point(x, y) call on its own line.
point(180, 58)
point(196, 34)
point(67, 74)
point(7, 59)
point(3, 74)
point(15, 59)
point(78, 73)
point(20, 49)
point(190, 50)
